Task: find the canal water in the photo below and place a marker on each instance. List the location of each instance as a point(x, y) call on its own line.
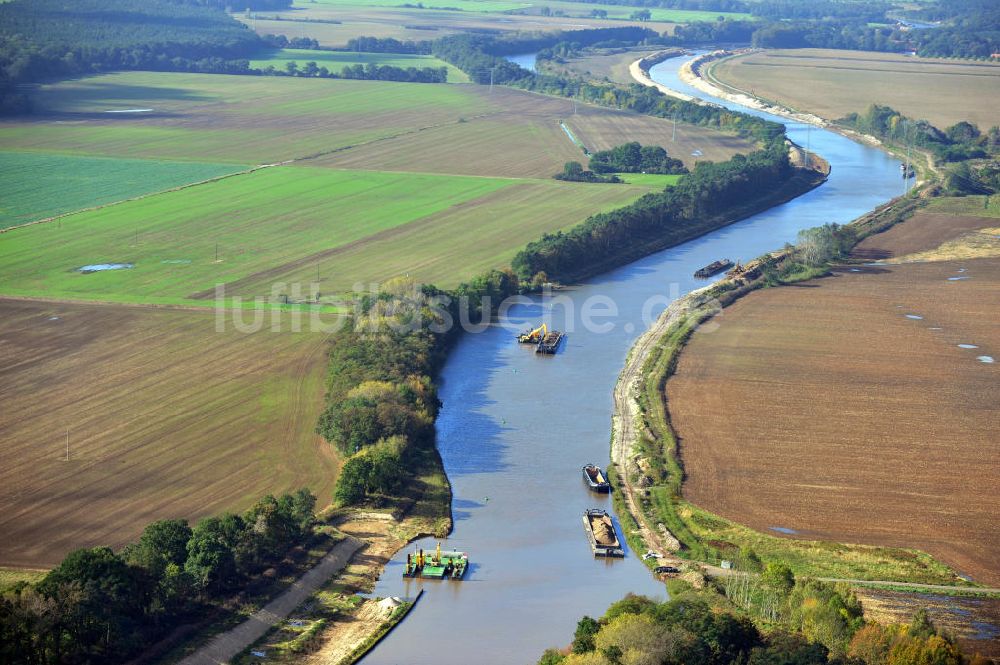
point(516, 428)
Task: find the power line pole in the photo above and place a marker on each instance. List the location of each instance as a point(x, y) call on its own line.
point(673, 137)
point(67, 444)
point(491, 79)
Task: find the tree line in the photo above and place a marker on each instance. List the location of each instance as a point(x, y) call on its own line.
point(678, 213)
point(366, 72)
point(959, 142)
point(100, 606)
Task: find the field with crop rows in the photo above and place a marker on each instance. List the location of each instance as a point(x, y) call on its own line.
point(165, 415)
point(38, 185)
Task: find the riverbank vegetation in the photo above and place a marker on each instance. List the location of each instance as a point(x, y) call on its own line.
point(774, 618)
point(102, 605)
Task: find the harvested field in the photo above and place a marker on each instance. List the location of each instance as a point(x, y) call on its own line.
point(924, 230)
point(832, 84)
point(333, 24)
point(604, 64)
point(36, 186)
point(829, 411)
point(335, 61)
point(602, 131)
point(166, 418)
point(209, 117)
point(525, 139)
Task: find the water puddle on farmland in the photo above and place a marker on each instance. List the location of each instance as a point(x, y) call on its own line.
point(915, 317)
point(129, 111)
point(783, 529)
point(53, 318)
point(936, 329)
point(986, 359)
point(101, 267)
point(957, 279)
point(968, 346)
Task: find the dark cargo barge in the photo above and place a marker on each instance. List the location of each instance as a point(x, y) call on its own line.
point(713, 268)
point(596, 480)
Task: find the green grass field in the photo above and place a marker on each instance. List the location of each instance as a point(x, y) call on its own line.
point(650, 179)
point(259, 221)
point(622, 12)
point(239, 119)
point(337, 60)
point(36, 186)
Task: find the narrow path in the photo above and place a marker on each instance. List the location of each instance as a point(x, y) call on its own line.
point(225, 646)
point(978, 590)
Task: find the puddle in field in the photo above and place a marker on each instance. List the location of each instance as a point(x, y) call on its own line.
point(101, 267)
point(129, 111)
point(968, 346)
point(915, 317)
point(855, 270)
point(986, 359)
point(936, 329)
point(957, 279)
point(984, 631)
point(961, 270)
point(53, 318)
point(177, 261)
point(783, 529)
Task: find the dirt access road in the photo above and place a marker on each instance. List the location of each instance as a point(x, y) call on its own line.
point(224, 647)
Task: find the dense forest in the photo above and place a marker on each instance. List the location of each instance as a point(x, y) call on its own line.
point(42, 39)
point(359, 72)
point(102, 606)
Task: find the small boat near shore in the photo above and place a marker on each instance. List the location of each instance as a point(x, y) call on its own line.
point(604, 540)
point(438, 565)
point(713, 268)
point(596, 480)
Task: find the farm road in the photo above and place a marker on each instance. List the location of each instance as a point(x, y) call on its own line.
point(223, 647)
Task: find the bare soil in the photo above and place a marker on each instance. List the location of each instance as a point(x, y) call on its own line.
point(824, 409)
point(166, 418)
point(923, 231)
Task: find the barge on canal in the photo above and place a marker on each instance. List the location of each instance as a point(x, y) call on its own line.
point(549, 343)
point(713, 268)
point(604, 540)
point(596, 480)
point(438, 565)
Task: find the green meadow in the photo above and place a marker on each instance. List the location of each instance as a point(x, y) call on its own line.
point(657, 180)
point(35, 186)
point(337, 60)
point(188, 241)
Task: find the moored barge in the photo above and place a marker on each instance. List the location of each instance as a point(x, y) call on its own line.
point(713, 268)
point(549, 343)
point(596, 480)
point(604, 540)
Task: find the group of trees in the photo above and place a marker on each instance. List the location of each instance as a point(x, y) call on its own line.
point(636, 158)
point(42, 39)
point(816, 624)
point(679, 213)
point(960, 142)
point(99, 605)
point(388, 45)
point(574, 172)
point(367, 72)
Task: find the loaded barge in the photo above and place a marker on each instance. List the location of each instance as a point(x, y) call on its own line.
point(545, 340)
point(713, 268)
point(596, 480)
point(437, 565)
point(604, 540)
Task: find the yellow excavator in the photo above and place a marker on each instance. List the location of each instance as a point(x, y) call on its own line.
point(533, 336)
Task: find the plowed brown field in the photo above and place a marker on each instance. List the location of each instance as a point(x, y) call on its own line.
point(166, 418)
point(829, 410)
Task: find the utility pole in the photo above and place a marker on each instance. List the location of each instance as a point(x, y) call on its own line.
point(491, 79)
point(673, 137)
point(67, 444)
